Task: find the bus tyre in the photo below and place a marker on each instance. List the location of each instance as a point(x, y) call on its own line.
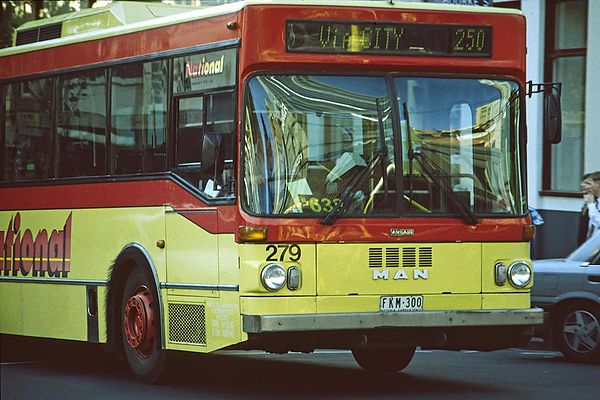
point(577, 332)
point(384, 359)
point(140, 327)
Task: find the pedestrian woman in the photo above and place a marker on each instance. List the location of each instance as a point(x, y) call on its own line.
point(589, 222)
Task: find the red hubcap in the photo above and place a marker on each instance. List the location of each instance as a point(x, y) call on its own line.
point(138, 321)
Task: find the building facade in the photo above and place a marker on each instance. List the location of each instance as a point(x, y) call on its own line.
point(563, 45)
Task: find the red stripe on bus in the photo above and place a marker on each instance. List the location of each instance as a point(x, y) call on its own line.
point(373, 230)
point(98, 195)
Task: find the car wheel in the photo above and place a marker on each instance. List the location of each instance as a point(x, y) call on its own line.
point(140, 323)
point(578, 332)
point(380, 359)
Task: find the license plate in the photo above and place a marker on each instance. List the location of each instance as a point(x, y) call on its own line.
point(401, 303)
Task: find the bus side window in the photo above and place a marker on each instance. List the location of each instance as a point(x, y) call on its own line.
point(81, 127)
point(27, 130)
point(139, 104)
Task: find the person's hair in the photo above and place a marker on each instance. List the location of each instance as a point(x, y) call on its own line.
point(595, 176)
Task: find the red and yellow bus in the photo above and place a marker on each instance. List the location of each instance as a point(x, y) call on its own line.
point(275, 175)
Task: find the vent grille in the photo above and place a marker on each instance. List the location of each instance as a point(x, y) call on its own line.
point(187, 323)
point(375, 257)
point(425, 257)
point(392, 257)
point(49, 32)
point(407, 257)
point(27, 36)
point(46, 32)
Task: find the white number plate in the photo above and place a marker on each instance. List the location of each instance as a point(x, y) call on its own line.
point(401, 303)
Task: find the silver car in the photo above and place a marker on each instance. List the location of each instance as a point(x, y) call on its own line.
point(569, 292)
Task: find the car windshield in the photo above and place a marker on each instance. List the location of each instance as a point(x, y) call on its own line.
point(329, 146)
point(588, 249)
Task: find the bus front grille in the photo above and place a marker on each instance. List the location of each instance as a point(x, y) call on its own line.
point(407, 257)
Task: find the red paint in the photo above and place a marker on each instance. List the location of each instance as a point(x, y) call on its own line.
point(378, 230)
point(138, 322)
point(168, 38)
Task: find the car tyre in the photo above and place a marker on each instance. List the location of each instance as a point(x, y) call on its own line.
point(384, 359)
point(577, 332)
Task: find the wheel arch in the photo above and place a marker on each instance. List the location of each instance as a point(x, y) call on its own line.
point(130, 255)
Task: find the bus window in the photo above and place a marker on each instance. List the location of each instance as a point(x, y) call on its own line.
point(28, 130)
point(304, 152)
point(139, 106)
point(81, 131)
point(204, 142)
point(459, 133)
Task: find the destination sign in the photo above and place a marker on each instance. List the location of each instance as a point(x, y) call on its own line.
point(389, 38)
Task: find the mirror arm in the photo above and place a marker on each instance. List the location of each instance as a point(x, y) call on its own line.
point(533, 88)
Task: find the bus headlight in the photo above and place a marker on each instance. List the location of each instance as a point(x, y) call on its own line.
point(273, 277)
point(519, 274)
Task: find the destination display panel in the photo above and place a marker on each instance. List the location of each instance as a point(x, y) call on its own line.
point(389, 38)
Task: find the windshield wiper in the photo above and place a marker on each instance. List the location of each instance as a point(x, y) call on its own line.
point(343, 204)
point(429, 169)
point(348, 191)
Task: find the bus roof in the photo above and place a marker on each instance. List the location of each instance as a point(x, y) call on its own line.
point(119, 18)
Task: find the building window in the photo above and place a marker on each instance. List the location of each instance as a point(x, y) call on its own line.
point(566, 41)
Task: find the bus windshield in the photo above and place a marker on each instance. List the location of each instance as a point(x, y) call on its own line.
point(339, 146)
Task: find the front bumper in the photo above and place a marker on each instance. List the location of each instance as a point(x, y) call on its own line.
point(371, 320)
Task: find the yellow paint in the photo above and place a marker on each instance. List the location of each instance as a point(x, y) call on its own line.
point(278, 305)
point(192, 253)
point(229, 269)
point(97, 236)
point(11, 310)
point(253, 258)
point(344, 269)
point(102, 336)
point(507, 252)
point(336, 277)
point(55, 311)
point(506, 301)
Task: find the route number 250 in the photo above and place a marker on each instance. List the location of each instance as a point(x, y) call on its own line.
point(283, 252)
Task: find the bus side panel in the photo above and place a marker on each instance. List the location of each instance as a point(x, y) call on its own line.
point(64, 253)
point(55, 311)
point(11, 313)
point(192, 252)
point(202, 295)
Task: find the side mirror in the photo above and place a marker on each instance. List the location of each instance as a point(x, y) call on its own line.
point(552, 116)
point(213, 160)
point(552, 109)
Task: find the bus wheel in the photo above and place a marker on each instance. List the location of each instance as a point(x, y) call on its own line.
point(384, 359)
point(140, 328)
point(578, 332)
